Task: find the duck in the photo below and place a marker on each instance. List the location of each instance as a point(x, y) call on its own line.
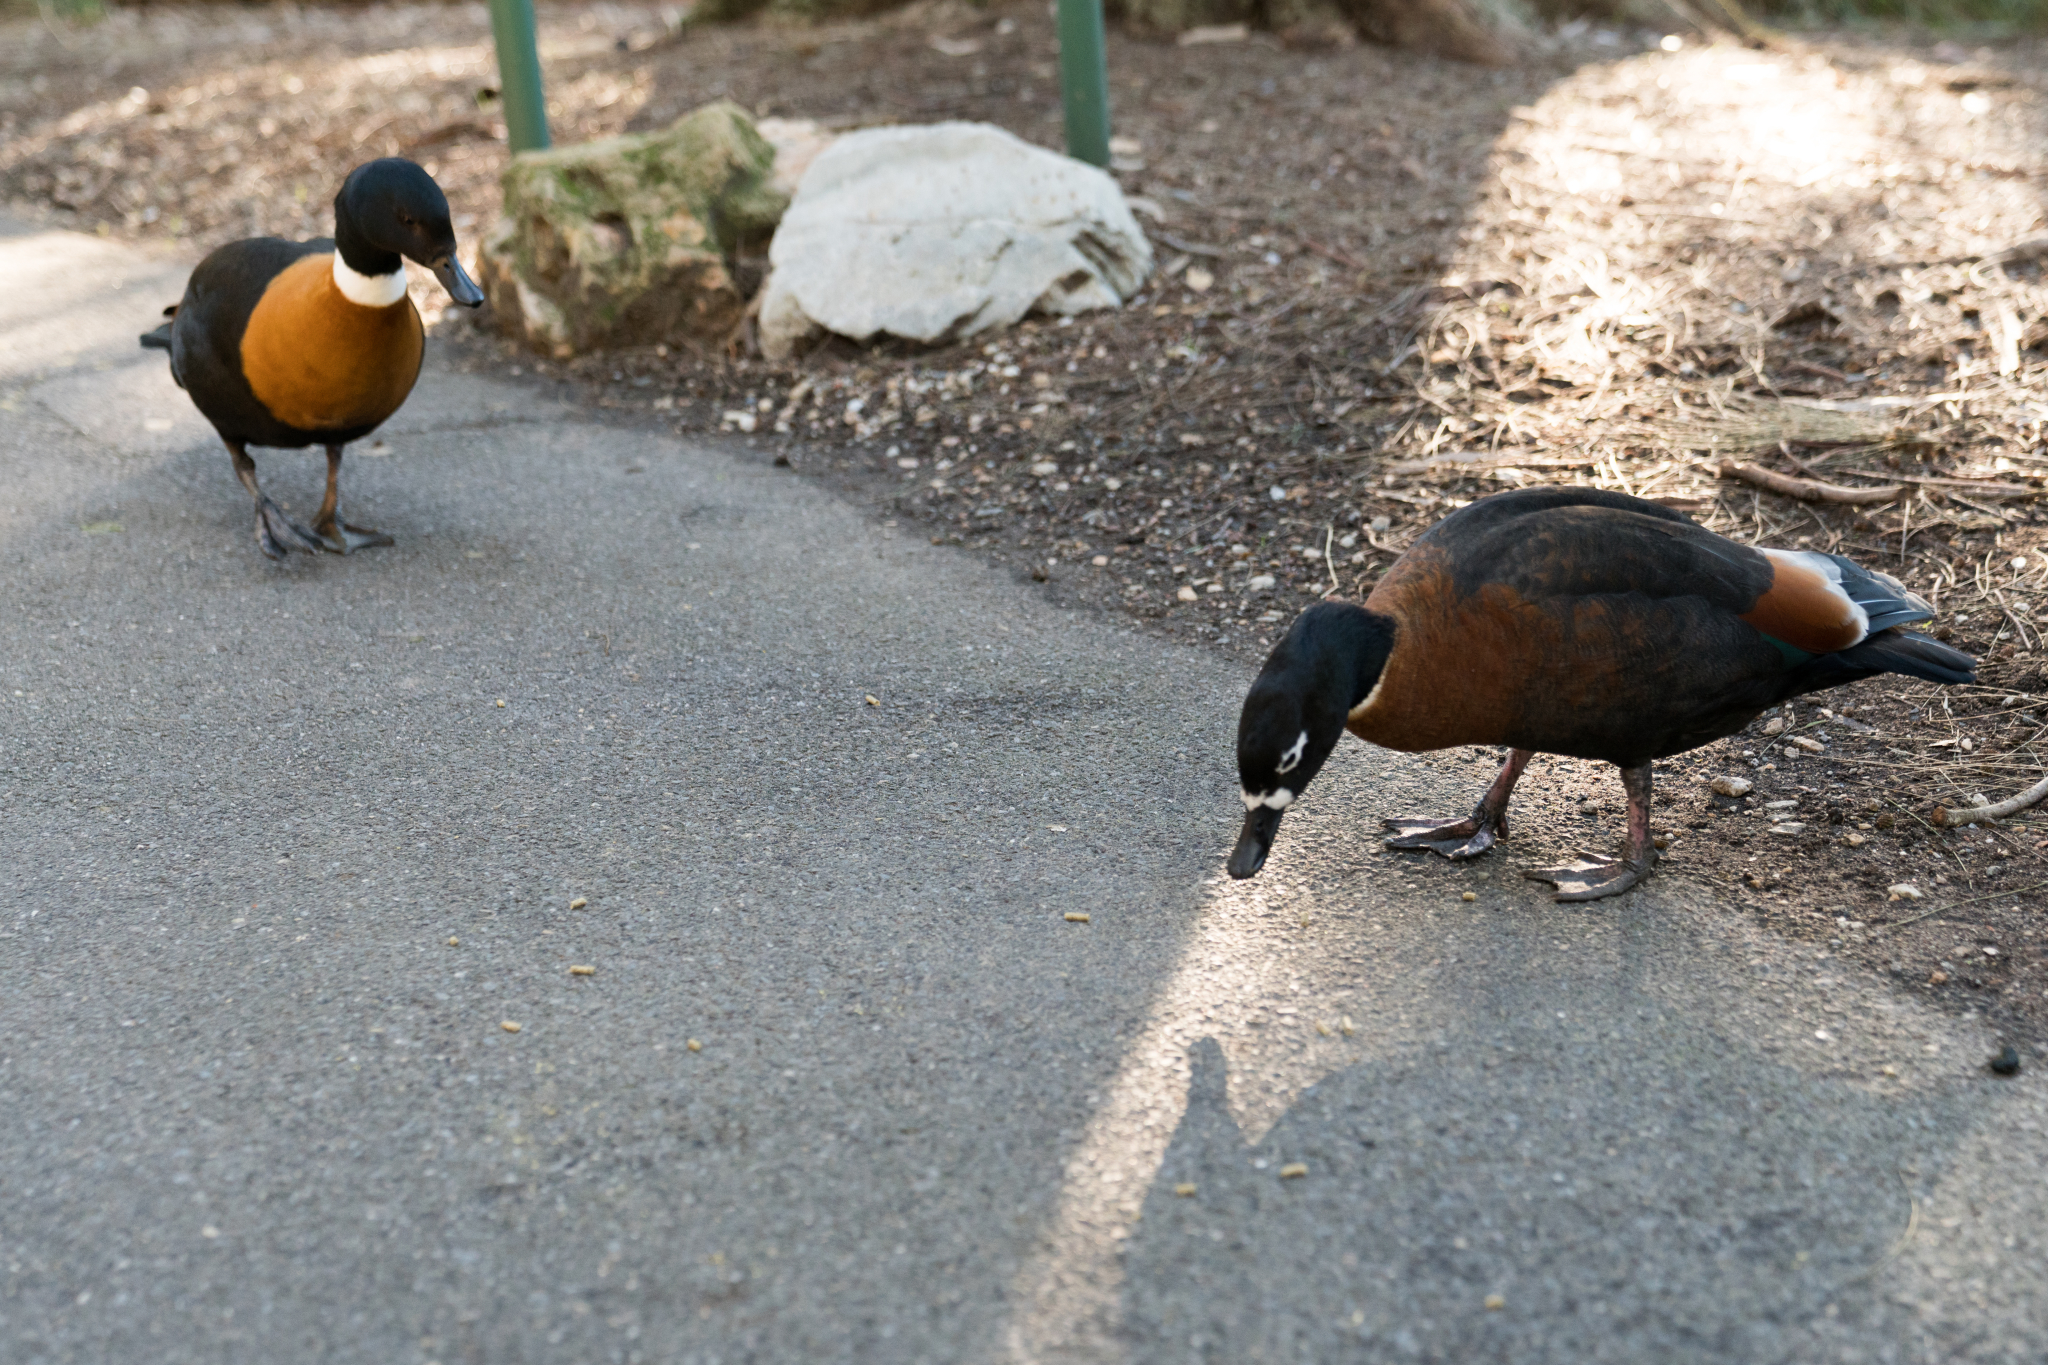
point(291, 344)
point(1572, 621)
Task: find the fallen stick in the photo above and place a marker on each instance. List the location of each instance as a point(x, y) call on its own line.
point(1809, 490)
point(1997, 810)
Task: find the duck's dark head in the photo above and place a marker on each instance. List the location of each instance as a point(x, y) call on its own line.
point(391, 208)
point(1328, 662)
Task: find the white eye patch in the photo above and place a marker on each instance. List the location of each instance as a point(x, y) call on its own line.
point(1292, 757)
point(1279, 799)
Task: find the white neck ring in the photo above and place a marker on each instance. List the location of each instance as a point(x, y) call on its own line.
point(371, 291)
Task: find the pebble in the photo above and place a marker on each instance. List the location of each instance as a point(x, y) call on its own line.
point(509, 1026)
point(1937, 978)
point(1732, 786)
point(1806, 742)
point(1789, 827)
point(1187, 594)
point(1854, 840)
point(1902, 891)
point(579, 902)
point(2007, 1062)
point(1779, 805)
point(1261, 582)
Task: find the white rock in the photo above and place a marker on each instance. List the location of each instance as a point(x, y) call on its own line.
point(1732, 786)
point(942, 231)
point(1903, 891)
point(1261, 582)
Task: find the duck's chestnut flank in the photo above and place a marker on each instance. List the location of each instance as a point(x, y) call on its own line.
point(292, 344)
point(1568, 621)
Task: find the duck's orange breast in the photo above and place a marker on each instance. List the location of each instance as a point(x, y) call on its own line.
point(321, 363)
point(1459, 663)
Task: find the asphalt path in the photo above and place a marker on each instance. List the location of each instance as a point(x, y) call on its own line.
point(287, 848)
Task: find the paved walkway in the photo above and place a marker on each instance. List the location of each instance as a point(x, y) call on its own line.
point(285, 847)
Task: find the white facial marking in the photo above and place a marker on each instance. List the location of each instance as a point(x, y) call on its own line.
point(1292, 757)
point(371, 291)
point(1279, 799)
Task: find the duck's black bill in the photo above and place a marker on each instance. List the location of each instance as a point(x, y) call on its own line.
point(457, 282)
point(1254, 842)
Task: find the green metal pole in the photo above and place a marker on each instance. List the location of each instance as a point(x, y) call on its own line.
point(526, 109)
point(1084, 80)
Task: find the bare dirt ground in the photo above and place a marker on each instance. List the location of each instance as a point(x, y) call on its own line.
point(1390, 284)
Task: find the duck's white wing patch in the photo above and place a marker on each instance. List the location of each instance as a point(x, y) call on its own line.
point(1292, 758)
point(1279, 799)
point(371, 291)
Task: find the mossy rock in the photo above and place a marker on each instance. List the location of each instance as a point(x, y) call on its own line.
point(631, 240)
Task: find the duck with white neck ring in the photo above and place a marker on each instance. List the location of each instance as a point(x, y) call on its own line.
point(292, 344)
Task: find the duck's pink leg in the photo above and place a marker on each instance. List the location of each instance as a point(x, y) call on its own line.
point(1472, 836)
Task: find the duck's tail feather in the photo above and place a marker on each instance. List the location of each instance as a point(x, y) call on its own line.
point(1904, 651)
point(160, 338)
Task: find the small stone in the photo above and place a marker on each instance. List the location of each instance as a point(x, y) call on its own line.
point(2007, 1062)
point(1660, 842)
point(1186, 1189)
point(1937, 978)
point(1199, 279)
point(1889, 1070)
point(1779, 805)
point(1100, 561)
point(1775, 725)
point(1045, 468)
point(1077, 916)
point(579, 902)
point(1789, 827)
point(1495, 1302)
point(1732, 786)
point(694, 1045)
point(1903, 891)
point(1294, 1170)
point(1262, 582)
point(1806, 743)
point(1469, 896)
point(501, 703)
point(583, 971)
point(1187, 594)
point(509, 1026)
point(1854, 840)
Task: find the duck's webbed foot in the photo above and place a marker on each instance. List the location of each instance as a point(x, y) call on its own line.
point(1592, 878)
point(1467, 838)
point(1472, 836)
point(336, 535)
point(277, 534)
point(1595, 878)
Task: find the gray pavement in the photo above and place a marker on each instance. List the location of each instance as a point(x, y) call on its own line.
point(255, 1104)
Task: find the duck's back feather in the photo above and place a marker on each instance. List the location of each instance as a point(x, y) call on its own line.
point(1584, 622)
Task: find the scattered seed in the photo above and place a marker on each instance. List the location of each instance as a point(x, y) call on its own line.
point(583, 971)
point(872, 700)
point(1294, 1170)
point(454, 942)
point(501, 701)
point(1186, 1189)
point(1077, 916)
point(509, 1026)
point(1495, 1302)
point(694, 1045)
point(1469, 896)
point(579, 902)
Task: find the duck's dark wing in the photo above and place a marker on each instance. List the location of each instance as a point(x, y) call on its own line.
point(206, 336)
